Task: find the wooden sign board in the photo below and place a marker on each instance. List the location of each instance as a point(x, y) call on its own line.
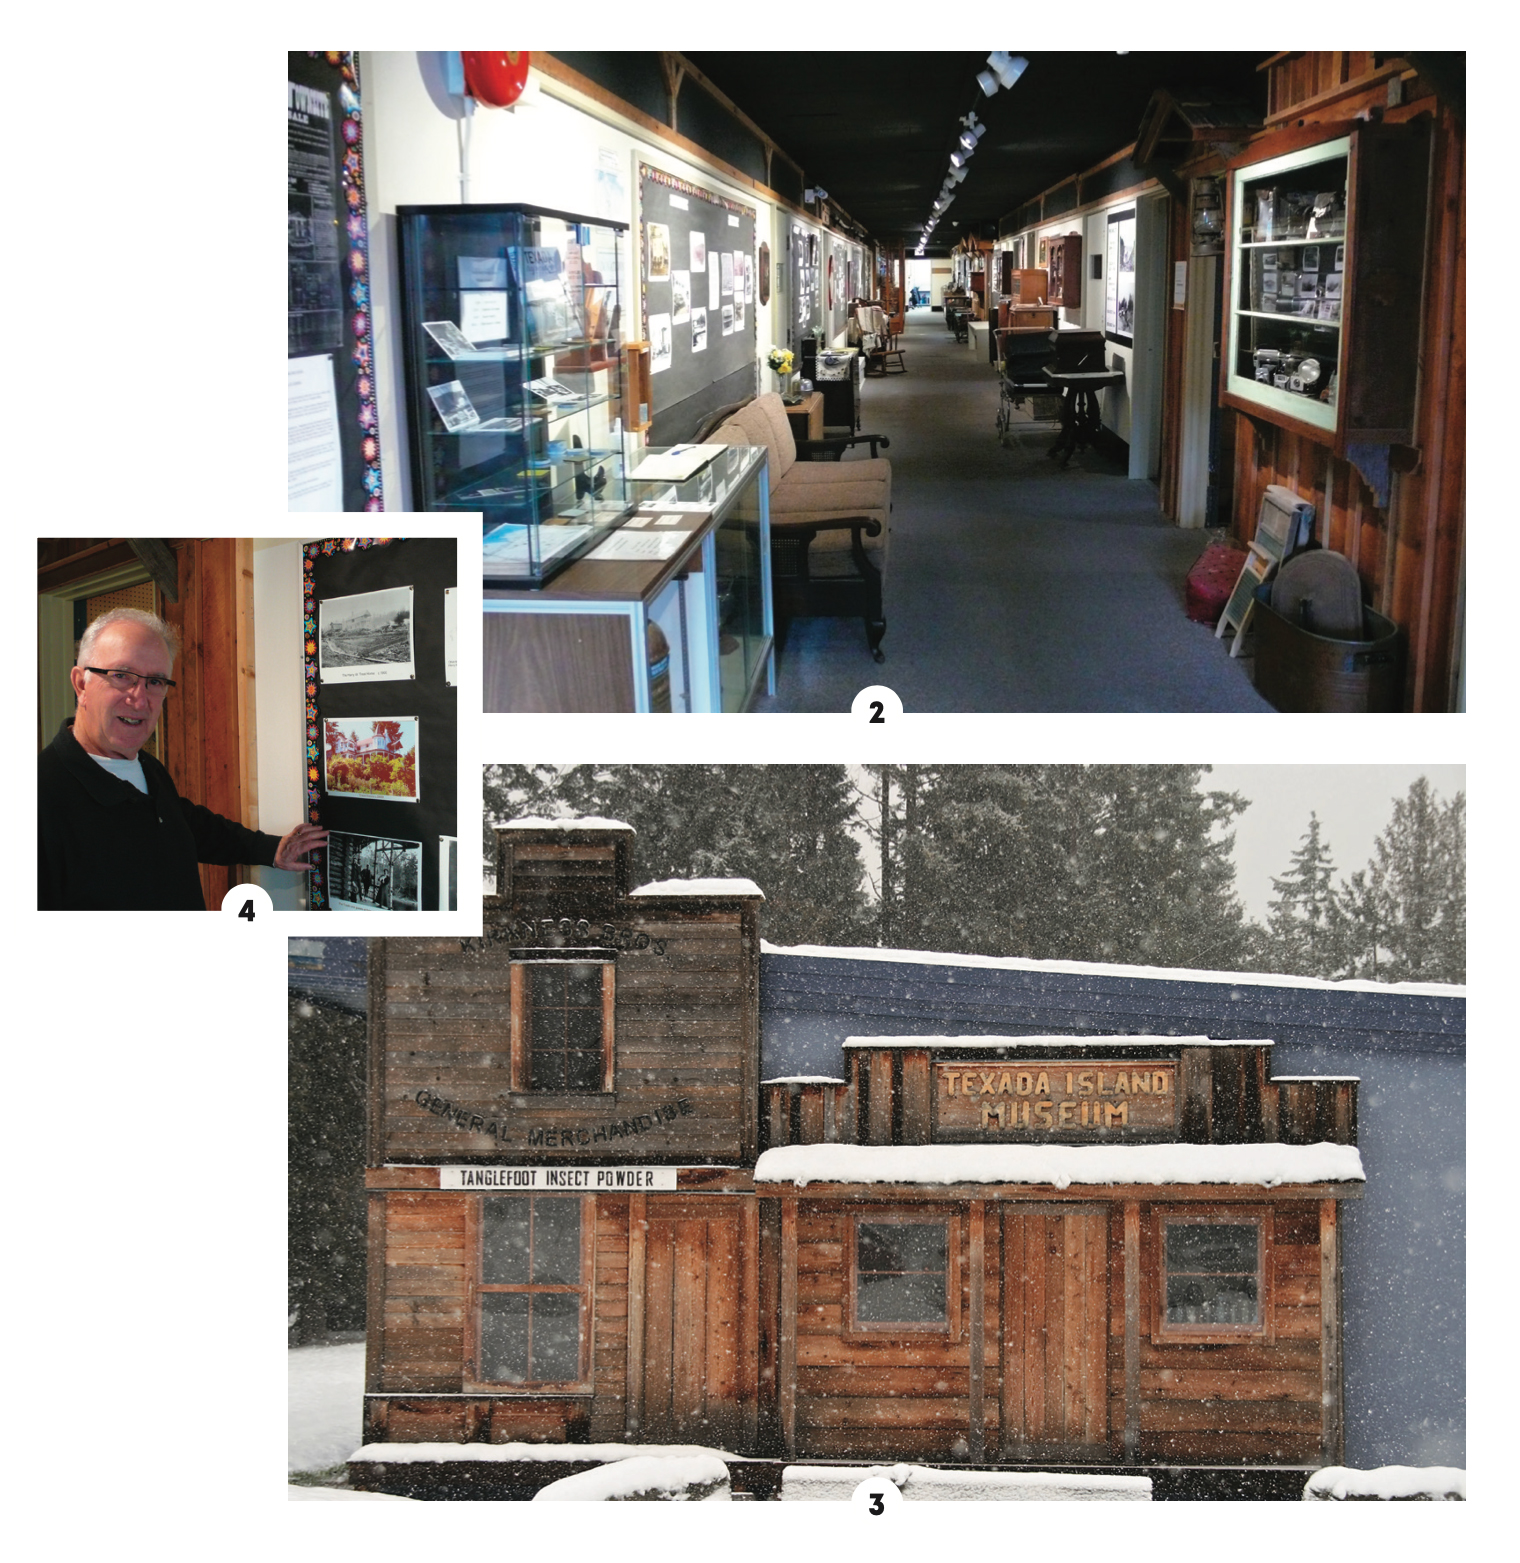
point(1032, 1099)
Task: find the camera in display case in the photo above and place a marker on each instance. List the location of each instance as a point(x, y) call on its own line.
point(512, 320)
point(1310, 214)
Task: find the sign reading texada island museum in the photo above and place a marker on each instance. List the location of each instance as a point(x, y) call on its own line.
point(524, 1180)
point(1056, 1094)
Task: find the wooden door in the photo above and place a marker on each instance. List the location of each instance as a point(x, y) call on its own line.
point(1055, 1332)
point(692, 1327)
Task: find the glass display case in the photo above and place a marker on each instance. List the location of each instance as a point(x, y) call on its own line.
point(1326, 249)
point(512, 320)
point(672, 613)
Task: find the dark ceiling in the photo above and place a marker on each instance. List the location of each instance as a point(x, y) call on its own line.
point(876, 130)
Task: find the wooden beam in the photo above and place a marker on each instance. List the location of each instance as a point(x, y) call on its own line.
point(159, 561)
point(374, 1299)
point(749, 1316)
point(976, 1242)
point(1332, 1449)
point(638, 1227)
point(375, 1129)
point(786, 1366)
point(1131, 1330)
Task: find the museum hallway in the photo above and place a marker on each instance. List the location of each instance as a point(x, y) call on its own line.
point(1011, 585)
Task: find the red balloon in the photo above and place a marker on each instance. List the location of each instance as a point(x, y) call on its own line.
point(494, 77)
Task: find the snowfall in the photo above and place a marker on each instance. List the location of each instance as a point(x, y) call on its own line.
point(326, 1392)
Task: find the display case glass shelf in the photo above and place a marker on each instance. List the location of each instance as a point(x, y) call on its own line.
point(1325, 272)
point(672, 612)
point(514, 382)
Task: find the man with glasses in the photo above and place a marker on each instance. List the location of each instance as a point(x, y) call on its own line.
point(113, 834)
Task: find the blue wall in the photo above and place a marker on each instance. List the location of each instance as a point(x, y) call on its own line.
point(1405, 1254)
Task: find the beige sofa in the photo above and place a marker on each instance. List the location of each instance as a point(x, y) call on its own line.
point(829, 518)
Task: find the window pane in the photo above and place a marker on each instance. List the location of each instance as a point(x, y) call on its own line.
point(504, 1257)
point(918, 1245)
point(583, 1071)
point(556, 1337)
point(900, 1299)
point(557, 1242)
point(1212, 1299)
point(1192, 1246)
point(503, 1335)
point(548, 984)
point(583, 984)
point(548, 1070)
point(583, 1028)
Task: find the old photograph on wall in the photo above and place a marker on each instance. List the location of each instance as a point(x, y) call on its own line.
point(367, 638)
point(371, 757)
point(373, 873)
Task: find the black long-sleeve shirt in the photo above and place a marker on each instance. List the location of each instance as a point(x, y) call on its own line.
point(104, 846)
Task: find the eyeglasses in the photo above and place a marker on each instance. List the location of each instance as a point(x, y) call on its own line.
point(127, 682)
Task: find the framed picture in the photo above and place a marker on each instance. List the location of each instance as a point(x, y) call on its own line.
point(367, 637)
point(1119, 302)
point(373, 873)
point(1043, 254)
point(371, 757)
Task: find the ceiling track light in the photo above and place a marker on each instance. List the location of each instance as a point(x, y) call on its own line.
point(1003, 70)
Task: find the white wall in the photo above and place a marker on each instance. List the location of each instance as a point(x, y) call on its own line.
point(279, 721)
point(546, 152)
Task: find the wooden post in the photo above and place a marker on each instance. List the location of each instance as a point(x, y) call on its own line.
point(786, 1367)
point(374, 1302)
point(977, 1240)
point(916, 1096)
point(638, 1226)
point(749, 1304)
point(880, 1065)
point(1131, 1330)
point(1332, 1449)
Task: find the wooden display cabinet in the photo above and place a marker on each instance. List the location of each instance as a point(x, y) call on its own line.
point(1063, 256)
point(1326, 238)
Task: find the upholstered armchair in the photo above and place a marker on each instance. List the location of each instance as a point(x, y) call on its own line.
point(829, 517)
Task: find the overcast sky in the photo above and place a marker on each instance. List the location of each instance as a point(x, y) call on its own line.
point(1354, 803)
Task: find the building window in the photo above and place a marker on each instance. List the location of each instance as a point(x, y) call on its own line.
point(1214, 1268)
point(562, 1031)
point(903, 1273)
point(530, 1295)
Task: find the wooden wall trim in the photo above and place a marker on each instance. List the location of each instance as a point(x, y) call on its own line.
point(1131, 1330)
point(786, 1367)
point(976, 1242)
point(1333, 1420)
point(1011, 1425)
point(638, 1227)
point(749, 1305)
point(374, 1291)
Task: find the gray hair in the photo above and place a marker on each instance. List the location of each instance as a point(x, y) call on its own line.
point(149, 621)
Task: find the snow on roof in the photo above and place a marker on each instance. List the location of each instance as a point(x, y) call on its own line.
point(1300, 1079)
point(639, 1476)
point(803, 1080)
point(1046, 1043)
point(423, 1453)
point(1103, 969)
point(700, 887)
point(1388, 1481)
point(589, 822)
point(1060, 1166)
point(838, 1483)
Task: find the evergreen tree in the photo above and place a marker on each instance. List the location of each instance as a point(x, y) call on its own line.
point(1419, 871)
point(1304, 934)
point(1097, 863)
point(787, 827)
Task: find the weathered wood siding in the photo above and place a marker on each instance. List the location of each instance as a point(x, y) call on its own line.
point(684, 1032)
point(1256, 1399)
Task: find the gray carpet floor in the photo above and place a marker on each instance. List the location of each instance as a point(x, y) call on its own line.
point(1012, 584)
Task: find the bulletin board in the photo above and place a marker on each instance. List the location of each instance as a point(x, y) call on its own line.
point(334, 427)
point(804, 269)
point(381, 719)
point(694, 364)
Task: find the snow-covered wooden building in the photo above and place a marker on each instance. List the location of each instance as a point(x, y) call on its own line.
point(1084, 1245)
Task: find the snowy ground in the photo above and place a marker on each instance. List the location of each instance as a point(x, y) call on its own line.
point(326, 1404)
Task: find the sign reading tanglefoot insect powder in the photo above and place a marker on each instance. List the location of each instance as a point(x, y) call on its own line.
point(525, 1180)
point(1036, 1098)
